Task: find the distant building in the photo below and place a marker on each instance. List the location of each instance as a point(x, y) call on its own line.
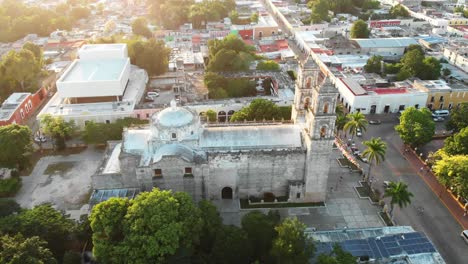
point(396, 244)
point(389, 48)
point(18, 107)
point(100, 86)
point(442, 95)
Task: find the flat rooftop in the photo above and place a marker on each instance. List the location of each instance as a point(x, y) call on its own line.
point(95, 70)
point(104, 47)
point(11, 103)
point(132, 95)
point(385, 42)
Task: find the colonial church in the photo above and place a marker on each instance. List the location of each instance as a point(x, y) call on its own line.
point(235, 160)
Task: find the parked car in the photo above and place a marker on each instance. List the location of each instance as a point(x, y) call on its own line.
point(152, 94)
point(375, 122)
point(464, 235)
point(40, 139)
point(386, 184)
point(438, 119)
point(362, 158)
point(358, 132)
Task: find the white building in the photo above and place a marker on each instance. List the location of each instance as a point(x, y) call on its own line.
point(457, 56)
point(389, 48)
point(100, 86)
point(378, 100)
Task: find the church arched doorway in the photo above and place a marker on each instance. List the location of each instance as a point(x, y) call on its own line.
point(226, 193)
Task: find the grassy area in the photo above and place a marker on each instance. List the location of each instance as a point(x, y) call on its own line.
point(37, 155)
point(59, 168)
point(9, 187)
point(386, 218)
point(245, 205)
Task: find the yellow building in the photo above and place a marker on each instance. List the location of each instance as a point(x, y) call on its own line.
point(442, 95)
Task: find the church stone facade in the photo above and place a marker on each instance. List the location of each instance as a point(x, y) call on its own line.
point(230, 161)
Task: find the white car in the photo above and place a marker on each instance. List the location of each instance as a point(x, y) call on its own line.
point(464, 235)
point(40, 139)
point(386, 184)
point(358, 132)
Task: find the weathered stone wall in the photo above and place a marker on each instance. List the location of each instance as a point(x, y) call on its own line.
point(254, 173)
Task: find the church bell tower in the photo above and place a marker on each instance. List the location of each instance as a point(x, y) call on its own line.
point(314, 107)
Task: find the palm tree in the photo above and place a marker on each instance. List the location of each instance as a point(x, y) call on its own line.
point(340, 118)
point(355, 121)
point(375, 152)
point(399, 194)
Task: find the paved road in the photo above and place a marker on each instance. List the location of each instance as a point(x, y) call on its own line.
point(426, 212)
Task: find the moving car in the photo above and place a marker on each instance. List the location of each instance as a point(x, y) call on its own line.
point(464, 235)
point(358, 132)
point(375, 122)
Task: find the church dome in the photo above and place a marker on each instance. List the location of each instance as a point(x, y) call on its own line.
point(174, 117)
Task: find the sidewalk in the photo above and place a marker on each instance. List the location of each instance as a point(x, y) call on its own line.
point(446, 197)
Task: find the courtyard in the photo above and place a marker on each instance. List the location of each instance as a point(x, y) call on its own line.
point(62, 180)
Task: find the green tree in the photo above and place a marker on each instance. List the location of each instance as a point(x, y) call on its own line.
point(43, 221)
point(355, 122)
point(152, 55)
point(8, 207)
point(457, 144)
point(416, 126)
point(258, 109)
point(229, 54)
point(268, 65)
point(37, 51)
point(16, 145)
point(375, 152)
point(211, 224)
point(399, 194)
point(431, 69)
point(337, 256)
point(399, 11)
point(319, 10)
point(79, 12)
point(231, 246)
point(100, 133)
point(458, 118)
point(57, 128)
point(412, 62)
point(22, 67)
point(140, 27)
point(260, 229)
point(374, 64)
point(254, 17)
point(20, 250)
point(292, 245)
point(452, 171)
point(148, 229)
point(212, 116)
point(359, 29)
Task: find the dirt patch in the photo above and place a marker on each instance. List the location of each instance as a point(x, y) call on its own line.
point(59, 168)
point(37, 155)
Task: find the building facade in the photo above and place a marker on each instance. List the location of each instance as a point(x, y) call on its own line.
point(229, 161)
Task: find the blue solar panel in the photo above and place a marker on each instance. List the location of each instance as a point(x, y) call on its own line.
point(383, 247)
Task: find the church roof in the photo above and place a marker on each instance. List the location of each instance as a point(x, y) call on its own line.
point(177, 117)
point(251, 137)
point(182, 151)
point(135, 141)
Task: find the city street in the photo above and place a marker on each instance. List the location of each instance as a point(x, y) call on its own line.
point(426, 213)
